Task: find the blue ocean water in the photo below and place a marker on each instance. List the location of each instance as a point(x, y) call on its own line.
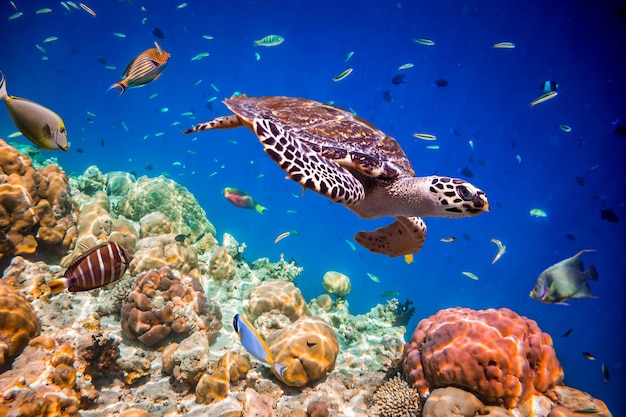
point(519, 155)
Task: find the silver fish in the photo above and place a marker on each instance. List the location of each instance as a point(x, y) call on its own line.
point(39, 124)
point(565, 280)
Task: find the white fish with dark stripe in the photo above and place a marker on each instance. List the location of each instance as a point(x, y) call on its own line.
point(95, 268)
point(144, 68)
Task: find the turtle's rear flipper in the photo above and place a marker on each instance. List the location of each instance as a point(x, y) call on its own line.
point(306, 166)
point(223, 122)
point(404, 236)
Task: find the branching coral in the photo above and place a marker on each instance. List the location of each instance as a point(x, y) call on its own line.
point(395, 398)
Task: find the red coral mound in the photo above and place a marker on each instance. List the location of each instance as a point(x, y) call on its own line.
point(500, 356)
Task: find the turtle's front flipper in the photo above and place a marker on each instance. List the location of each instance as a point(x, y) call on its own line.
point(404, 236)
point(306, 166)
point(223, 122)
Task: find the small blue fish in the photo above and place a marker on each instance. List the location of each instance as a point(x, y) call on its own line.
point(254, 343)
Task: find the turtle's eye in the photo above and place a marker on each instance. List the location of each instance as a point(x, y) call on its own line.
point(464, 193)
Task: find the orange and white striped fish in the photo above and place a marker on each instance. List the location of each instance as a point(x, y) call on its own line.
point(95, 268)
point(146, 67)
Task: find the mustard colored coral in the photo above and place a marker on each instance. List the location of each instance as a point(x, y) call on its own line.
point(336, 283)
point(278, 295)
point(308, 348)
point(221, 265)
point(18, 324)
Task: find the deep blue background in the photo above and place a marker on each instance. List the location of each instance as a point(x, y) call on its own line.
point(579, 44)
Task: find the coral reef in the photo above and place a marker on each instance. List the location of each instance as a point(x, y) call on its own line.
point(35, 207)
point(18, 324)
point(278, 295)
point(162, 302)
point(214, 385)
point(221, 265)
point(336, 283)
point(395, 398)
point(189, 360)
point(281, 270)
point(164, 250)
point(308, 348)
point(501, 357)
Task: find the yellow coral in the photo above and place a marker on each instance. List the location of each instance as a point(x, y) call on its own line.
point(19, 324)
point(336, 283)
point(214, 387)
point(308, 348)
point(221, 265)
point(276, 295)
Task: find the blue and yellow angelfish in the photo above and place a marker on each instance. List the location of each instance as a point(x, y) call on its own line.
point(254, 343)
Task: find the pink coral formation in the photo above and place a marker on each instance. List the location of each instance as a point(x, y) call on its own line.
point(160, 303)
point(308, 348)
point(35, 207)
point(278, 295)
point(18, 324)
point(501, 357)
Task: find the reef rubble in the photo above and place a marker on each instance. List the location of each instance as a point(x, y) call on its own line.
point(160, 341)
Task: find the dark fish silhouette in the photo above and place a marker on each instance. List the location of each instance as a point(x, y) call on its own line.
point(440, 82)
point(398, 79)
point(102, 142)
point(180, 238)
point(149, 167)
point(580, 181)
point(95, 268)
point(101, 60)
point(605, 373)
point(565, 280)
point(467, 172)
point(570, 236)
point(589, 356)
point(619, 128)
point(567, 333)
point(609, 215)
point(158, 33)
point(387, 96)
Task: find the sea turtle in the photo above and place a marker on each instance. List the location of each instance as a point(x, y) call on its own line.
point(343, 157)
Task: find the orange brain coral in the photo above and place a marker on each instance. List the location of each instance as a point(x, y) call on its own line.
point(18, 324)
point(501, 357)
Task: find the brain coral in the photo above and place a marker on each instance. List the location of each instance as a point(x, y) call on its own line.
point(501, 357)
point(35, 206)
point(308, 348)
point(336, 283)
point(161, 302)
point(18, 324)
point(278, 295)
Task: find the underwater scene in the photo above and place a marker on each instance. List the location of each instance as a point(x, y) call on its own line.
point(312, 208)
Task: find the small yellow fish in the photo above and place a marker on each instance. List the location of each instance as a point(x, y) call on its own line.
point(39, 124)
point(448, 239)
point(501, 250)
point(144, 68)
point(538, 213)
point(408, 258)
point(343, 74)
point(504, 45)
point(373, 277)
point(544, 97)
point(405, 66)
point(270, 40)
point(565, 128)
point(281, 236)
point(470, 275)
point(425, 136)
point(424, 41)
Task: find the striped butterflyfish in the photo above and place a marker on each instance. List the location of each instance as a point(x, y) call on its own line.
point(95, 268)
point(146, 67)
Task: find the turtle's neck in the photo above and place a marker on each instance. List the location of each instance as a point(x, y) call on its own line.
point(406, 196)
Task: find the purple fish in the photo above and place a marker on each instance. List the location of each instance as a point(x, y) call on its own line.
point(95, 268)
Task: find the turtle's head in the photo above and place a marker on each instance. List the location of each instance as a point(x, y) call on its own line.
point(457, 198)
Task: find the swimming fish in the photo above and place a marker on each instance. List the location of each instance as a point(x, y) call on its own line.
point(565, 128)
point(538, 213)
point(95, 268)
point(343, 74)
point(254, 343)
point(605, 373)
point(544, 97)
point(390, 294)
point(39, 124)
point(398, 79)
point(144, 68)
point(565, 280)
point(504, 45)
point(589, 356)
point(501, 250)
point(441, 82)
point(424, 136)
point(373, 277)
point(424, 41)
point(282, 236)
point(242, 200)
point(270, 40)
point(470, 275)
point(588, 411)
point(408, 258)
point(180, 238)
point(449, 239)
point(405, 66)
point(567, 333)
point(609, 215)
point(158, 33)
point(548, 86)
point(351, 245)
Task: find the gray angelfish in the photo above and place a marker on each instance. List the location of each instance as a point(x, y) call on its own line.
point(565, 280)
